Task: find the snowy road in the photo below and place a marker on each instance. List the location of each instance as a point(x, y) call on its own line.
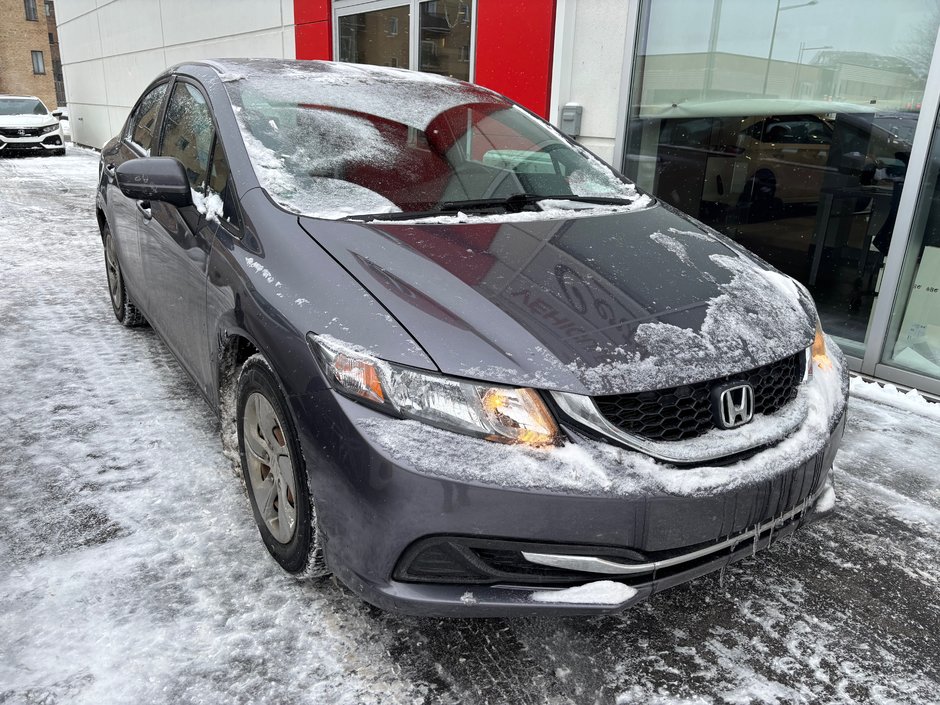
point(131, 571)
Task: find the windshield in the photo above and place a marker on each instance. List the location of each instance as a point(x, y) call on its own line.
point(22, 106)
point(353, 141)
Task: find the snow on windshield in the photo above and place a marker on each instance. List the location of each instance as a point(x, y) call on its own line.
point(331, 140)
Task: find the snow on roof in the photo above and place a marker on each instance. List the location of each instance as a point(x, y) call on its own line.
point(411, 98)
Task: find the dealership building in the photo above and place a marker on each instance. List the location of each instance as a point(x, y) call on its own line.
point(803, 129)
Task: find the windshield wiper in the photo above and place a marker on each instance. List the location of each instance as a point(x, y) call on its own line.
point(515, 203)
point(518, 201)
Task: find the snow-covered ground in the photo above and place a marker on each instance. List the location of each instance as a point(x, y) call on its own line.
point(131, 571)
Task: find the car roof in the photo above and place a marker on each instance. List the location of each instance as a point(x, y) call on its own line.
point(19, 97)
point(412, 98)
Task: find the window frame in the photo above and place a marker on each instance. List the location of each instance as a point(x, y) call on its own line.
point(343, 8)
point(32, 12)
point(41, 64)
point(236, 230)
point(157, 134)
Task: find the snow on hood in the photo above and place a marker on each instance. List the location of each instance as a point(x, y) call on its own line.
point(598, 468)
point(588, 305)
point(27, 120)
point(744, 327)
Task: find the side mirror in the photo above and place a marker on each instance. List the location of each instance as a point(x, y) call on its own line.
point(155, 179)
point(57, 114)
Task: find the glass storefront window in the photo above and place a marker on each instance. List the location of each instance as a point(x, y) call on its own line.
point(445, 38)
point(786, 125)
point(914, 334)
point(382, 36)
point(378, 37)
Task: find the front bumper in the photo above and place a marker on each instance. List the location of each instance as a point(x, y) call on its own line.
point(373, 505)
point(36, 144)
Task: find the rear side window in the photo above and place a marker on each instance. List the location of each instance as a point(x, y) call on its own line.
point(143, 123)
point(188, 133)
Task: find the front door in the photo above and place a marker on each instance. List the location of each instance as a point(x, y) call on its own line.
point(175, 242)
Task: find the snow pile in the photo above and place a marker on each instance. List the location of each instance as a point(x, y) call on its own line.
point(887, 393)
point(209, 205)
point(673, 245)
point(827, 500)
point(741, 331)
point(598, 468)
point(602, 592)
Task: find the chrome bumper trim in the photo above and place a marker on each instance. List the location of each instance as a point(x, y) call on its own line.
point(590, 564)
point(770, 430)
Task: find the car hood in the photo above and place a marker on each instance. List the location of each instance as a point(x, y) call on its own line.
point(592, 305)
point(26, 120)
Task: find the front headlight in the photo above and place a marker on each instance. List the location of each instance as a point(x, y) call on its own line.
point(50, 128)
point(505, 414)
point(819, 356)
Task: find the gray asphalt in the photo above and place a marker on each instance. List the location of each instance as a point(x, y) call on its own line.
point(130, 570)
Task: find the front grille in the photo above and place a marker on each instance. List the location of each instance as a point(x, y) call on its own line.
point(683, 412)
point(15, 131)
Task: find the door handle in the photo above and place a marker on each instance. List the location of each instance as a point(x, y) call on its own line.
point(111, 171)
point(144, 208)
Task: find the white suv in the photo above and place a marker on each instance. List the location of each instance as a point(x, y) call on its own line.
point(26, 125)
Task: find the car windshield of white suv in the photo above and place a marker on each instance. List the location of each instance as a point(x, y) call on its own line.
point(368, 144)
point(22, 106)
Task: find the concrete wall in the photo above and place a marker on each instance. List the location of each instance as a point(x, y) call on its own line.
point(19, 37)
point(111, 49)
point(590, 39)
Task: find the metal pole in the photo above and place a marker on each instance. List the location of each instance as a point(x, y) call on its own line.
point(770, 54)
point(712, 47)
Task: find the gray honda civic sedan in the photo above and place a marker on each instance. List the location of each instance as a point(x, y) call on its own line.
point(465, 365)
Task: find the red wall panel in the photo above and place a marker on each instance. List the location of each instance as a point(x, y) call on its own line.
point(515, 41)
point(313, 35)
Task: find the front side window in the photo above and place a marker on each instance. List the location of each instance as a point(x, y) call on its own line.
point(188, 133)
point(31, 14)
point(143, 123)
point(39, 64)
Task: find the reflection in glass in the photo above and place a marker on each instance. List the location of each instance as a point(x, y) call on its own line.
point(379, 37)
point(914, 336)
point(788, 129)
point(445, 38)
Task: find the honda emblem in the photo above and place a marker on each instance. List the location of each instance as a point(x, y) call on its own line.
point(733, 404)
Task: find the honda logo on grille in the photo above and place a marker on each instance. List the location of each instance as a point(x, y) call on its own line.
point(21, 132)
point(733, 404)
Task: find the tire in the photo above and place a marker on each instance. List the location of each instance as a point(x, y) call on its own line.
point(125, 311)
point(59, 152)
point(278, 491)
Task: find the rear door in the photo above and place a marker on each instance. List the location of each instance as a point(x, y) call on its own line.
point(175, 242)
